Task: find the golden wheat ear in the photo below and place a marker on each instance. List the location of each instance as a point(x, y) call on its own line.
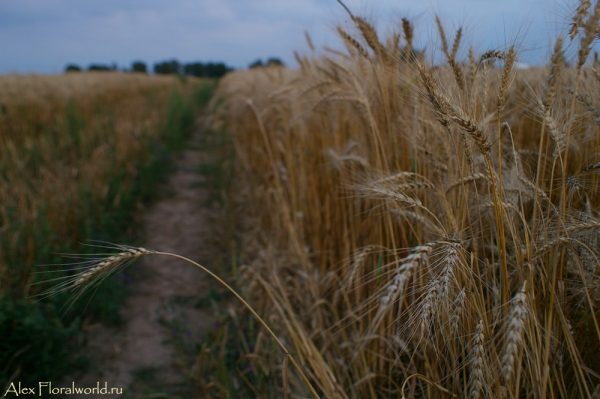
point(88, 272)
point(86, 266)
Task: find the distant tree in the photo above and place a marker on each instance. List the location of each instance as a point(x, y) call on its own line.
point(270, 62)
point(274, 62)
point(139, 66)
point(256, 64)
point(168, 67)
point(195, 69)
point(99, 67)
point(216, 70)
point(72, 68)
point(209, 70)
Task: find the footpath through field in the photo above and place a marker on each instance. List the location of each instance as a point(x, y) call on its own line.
point(139, 356)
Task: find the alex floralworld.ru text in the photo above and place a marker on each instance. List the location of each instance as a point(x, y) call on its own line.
point(46, 388)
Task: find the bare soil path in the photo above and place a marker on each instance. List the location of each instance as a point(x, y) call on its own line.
point(139, 356)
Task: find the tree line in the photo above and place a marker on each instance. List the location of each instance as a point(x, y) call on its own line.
point(170, 67)
point(174, 67)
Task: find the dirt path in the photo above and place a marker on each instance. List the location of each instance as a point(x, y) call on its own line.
point(139, 356)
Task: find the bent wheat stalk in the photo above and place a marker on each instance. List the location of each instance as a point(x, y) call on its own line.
point(102, 267)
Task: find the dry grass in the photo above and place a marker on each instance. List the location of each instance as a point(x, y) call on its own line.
point(425, 232)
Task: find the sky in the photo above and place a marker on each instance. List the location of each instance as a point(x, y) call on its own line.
point(43, 36)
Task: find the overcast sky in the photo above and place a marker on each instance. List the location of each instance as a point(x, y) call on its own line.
point(44, 35)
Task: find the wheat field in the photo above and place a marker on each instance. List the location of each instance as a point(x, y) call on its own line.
point(70, 147)
point(80, 156)
point(413, 229)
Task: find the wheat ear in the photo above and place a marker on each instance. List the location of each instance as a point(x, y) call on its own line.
point(404, 271)
point(579, 16)
point(110, 264)
point(442, 34)
point(476, 379)
point(588, 36)
point(351, 42)
point(358, 264)
point(591, 167)
point(508, 74)
point(370, 35)
point(428, 310)
point(514, 334)
point(459, 304)
point(458, 75)
point(557, 62)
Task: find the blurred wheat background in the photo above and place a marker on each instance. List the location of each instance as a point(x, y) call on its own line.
point(416, 229)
